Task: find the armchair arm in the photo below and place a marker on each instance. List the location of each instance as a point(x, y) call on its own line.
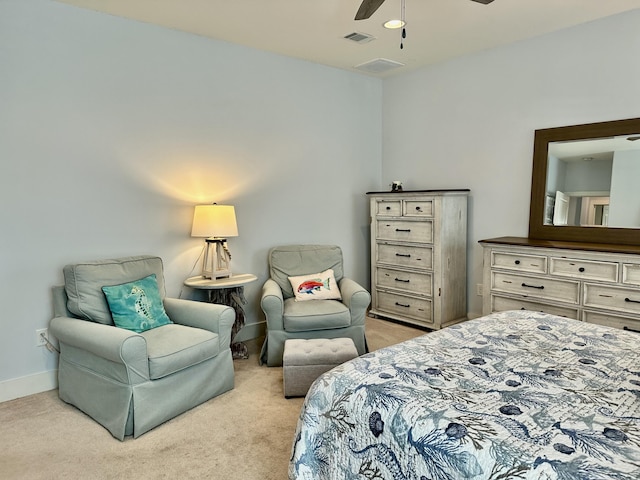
point(208, 316)
point(356, 298)
point(272, 304)
point(105, 341)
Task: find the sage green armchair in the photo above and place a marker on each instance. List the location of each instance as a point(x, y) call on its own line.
point(131, 382)
point(288, 318)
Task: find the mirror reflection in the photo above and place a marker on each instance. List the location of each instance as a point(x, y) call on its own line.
point(594, 182)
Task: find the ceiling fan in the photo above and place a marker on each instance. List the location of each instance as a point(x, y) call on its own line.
point(368, 7)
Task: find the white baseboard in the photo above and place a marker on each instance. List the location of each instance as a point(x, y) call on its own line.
point(23, 386)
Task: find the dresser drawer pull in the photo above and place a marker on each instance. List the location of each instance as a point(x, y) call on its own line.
point(581, 269)
point(388, 208)
point(631, 301)
point(400, 280)
point(402, 305)
point(408, 255)
point(403, 229)
point(539, 287)
point(630, 329)
point(517, 262)
point(418, 209)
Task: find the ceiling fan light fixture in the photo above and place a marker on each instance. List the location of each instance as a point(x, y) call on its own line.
point(394, 24)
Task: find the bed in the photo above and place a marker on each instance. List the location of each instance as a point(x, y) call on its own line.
point(512, 395)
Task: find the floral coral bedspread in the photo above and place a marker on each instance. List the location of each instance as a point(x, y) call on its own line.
point(510, 395)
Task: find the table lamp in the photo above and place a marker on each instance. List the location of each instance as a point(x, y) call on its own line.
point(215, 222)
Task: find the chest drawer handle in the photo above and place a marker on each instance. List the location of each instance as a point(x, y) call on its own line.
point(628, 329)
point(403, 229)
point(581, 269)
point(631, 301)
point(418, 209)
point(402, 305)
point(400, 280)
point(517, 262)
point(388, 208)
point(407, 255)
point(539, 287)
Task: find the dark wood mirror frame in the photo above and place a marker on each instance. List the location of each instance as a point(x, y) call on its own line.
point(537, 228)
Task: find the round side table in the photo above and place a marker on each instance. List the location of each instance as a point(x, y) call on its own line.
point(227, 291)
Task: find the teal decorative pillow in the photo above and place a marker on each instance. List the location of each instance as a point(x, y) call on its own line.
point(315, 286)
point(137, 305)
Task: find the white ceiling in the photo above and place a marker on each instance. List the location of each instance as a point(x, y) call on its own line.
point(314, 30)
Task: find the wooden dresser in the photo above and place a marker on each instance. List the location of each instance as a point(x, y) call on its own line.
point(591, 282)
point(418, 256)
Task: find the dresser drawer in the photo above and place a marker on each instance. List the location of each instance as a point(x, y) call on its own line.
point(538, 287)
point(416, 308)
point(610, 320)
point(412, 282)
point(405, 256)
point(584, 269)
point(518, 262)
point(418, 208)
point(615, 298)
point(631, 273)
point(500, 304)
point(391, 208)
point(406, 231)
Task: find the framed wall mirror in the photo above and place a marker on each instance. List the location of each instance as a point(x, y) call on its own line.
point(585, 183)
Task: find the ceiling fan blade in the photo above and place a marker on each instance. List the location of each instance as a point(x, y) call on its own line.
point(367, 7)
point(484, 2)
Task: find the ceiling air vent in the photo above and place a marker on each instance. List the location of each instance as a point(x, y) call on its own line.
point(359, 37)
point(379, 65)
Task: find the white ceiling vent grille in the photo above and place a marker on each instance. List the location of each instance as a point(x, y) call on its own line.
point(359, 37)
point(379, 65)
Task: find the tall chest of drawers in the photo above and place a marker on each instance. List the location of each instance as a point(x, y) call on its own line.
point(419, 256)
point(589, 282)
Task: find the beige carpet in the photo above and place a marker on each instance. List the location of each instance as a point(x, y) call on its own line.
point(244, 434)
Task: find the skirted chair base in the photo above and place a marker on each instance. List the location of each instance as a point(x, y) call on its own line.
point(127, 410)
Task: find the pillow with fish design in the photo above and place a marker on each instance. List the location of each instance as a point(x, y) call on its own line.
point(315, 286)
point(137, 305)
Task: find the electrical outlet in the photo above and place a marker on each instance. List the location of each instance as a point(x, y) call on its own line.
point(479, 290)
point(40, 342)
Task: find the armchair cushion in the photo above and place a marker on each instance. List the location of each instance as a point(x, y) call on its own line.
point(172, 348)
point(292, 260)
point(137, 305)
point(315, 286)
point(308, 316)
point(84, 282)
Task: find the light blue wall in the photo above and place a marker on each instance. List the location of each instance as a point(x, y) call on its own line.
point(624, 210)
point(111, 130)
point(470, 122)
point(593, 176)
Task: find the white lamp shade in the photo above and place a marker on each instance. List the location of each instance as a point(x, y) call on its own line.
point(217, 221)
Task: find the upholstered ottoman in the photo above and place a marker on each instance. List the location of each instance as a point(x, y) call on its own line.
point(305, 360)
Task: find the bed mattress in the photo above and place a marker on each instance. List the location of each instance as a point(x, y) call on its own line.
point(511, 395)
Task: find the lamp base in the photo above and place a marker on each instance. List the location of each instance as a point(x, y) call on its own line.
point(217, 259)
